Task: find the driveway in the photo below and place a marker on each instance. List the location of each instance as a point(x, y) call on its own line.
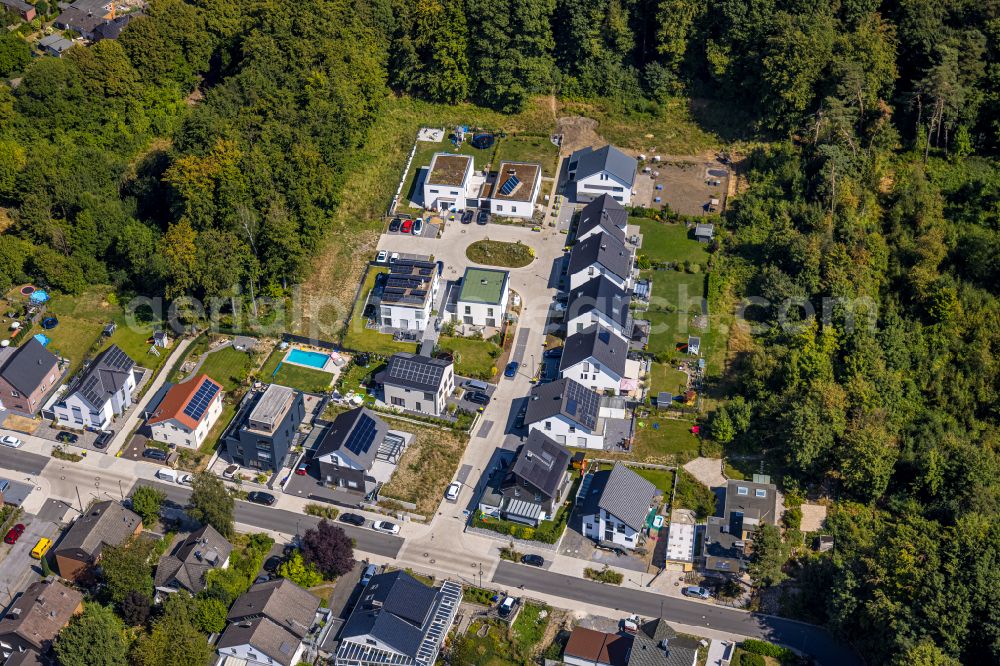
point(17, 568)
point(708, 471)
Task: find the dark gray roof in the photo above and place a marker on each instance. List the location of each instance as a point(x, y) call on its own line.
point(412, 371)
point(606, 213)
point(566, 397)
point(604, 249)
point(587, 161)
point(355, 435)
point(112, 29)
point(104, 524)
point(648, 648)
point(603, 295)
point(627, 496)
point(17, 5)
point(265, 636)
point(394, 609)
point(28, 366)
point(192, 558)
point(282, 601)
point(758, 501)
point(541, 462)
point(599, 343)
point(104, 377)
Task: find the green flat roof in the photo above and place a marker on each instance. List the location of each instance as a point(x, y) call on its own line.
point(482, 285)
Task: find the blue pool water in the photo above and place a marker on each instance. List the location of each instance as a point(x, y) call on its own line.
point(310, 358)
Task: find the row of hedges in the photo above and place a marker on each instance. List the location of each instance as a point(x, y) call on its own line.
point(548, 531)
point(765, 649)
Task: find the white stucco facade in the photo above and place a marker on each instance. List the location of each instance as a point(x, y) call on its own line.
point(583, 320)
point(603, 526)
point(447, 193)
point(76, 413)
point(569, 433)
point(173, 431)
point(582, 276)
point(593, 186)
point(593, 375)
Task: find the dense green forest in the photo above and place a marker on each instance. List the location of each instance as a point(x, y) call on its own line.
point(207, 147)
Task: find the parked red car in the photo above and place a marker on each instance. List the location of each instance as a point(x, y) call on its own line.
point(407, 226)
point(301, 470)
point(14, 534)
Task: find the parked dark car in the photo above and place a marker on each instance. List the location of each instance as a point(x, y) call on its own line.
point(272, 563)
point(511, 369)
point(395, 224)
point(467, 216)
point(258, 497)
point(68, 438)
point(533, 560)
point(478, 397)
point(154, 454)
point(103, 439)
point(483, 217)
point(14, 534)
point(555, 352)
point(352, 519)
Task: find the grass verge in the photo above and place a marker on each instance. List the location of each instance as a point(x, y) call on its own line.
point(500, 253)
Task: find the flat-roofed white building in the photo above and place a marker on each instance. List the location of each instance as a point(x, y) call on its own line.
point(407, 295)
point(449, 182)
point(482, 300)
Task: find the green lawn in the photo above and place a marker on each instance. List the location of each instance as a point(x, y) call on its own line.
point(228, 367)
point(136, 341)
point(297, 377)
point(227, 414)
point(425, 153)
point(661, 478)
point(359, 338)
point(473, 358)
point(692, 495)
point(533, 149)
point(665, 378)
point(669, 242)
point(356, 375)
point(500, 253)
point(675, 301)
point(669, 439)
point(73, 338)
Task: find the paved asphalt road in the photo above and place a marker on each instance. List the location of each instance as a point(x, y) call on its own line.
point(22, 461)
point(289, 522)
point(807, 638)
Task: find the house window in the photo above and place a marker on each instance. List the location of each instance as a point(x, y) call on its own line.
point(468, 309)
point(742, 490)
point(352, 484)
point(590, 270)
point(572, 429)
point(455, 192)
point(428, 396)
point(761, 492)
point(387, 322)
point(586, 367)
point(419, 407)
point(581, 441)
point(434, 191)
point(397, 402)
point(621, 528)
point(489, 312)
point(15, 394)
point(499, 207)
point(548, 425)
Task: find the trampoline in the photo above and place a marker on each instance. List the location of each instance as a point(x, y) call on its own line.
point(27, 290)
point(49, 323)
point(483, 140)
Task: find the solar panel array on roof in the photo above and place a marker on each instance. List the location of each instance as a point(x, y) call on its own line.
point(202, 399)
point(415, 371)
point(509, 185)
point(363, 435)
point(582, 404)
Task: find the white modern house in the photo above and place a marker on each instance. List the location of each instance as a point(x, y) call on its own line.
point(599, 302)
point(566, 412)
point(187, 412)
point(596, 358)
point(601, 254)
point(406, 298)
point(101, 392)
point(617, 507)
point(603, 214)
point(482, 300)
point(417, 383)
point(606, 170)
point(516, 189)
point(448, 182)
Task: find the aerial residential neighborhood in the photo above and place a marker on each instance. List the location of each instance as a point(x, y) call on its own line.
point(451, 333)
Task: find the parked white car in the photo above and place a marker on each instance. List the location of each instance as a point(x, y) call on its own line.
point(185, 479)
point(385, 526)
point(453, 489)
point(382, 257)
point(11, 441)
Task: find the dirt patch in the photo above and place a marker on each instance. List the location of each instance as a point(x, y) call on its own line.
point(426, 467)
point(708, 471)
point(21, 424)
point(577, 132)
point(813, 517)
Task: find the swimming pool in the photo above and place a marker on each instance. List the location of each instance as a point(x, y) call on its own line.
point(309, 358)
